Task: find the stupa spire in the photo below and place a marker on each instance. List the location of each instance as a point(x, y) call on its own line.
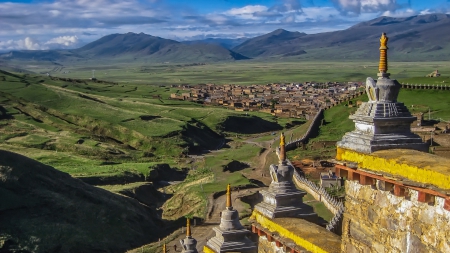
point(164, 248)
point(282, 155)
point(383, 65)
point(188, 228)
point(229, 205)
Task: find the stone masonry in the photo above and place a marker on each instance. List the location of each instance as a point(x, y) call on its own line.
point(378, 221)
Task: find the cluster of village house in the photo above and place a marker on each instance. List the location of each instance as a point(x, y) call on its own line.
point(296, 100)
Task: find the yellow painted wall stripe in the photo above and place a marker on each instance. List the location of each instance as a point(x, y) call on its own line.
point(206, 249)
point(395, 166)
point(273, 227)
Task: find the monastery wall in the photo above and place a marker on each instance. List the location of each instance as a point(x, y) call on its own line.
point(293, 235)
point(389, 209)
point(378, 221)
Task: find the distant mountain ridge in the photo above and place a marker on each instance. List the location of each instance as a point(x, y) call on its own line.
point(226, 43)
point(129, 43)
point(132, 46)
point(273, 43)
point(415, 38)
point(412, 38)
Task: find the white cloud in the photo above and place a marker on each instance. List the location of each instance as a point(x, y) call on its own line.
point(29, 43)
point(360, 6)
point(426, 11)
point(399, 13)
point(65, 41)
point(25, 44)
point(249, 9)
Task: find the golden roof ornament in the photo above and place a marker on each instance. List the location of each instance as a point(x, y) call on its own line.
point(383, 65)
point(229, 206)
point(282, 154)
point(164, 248)
point(188, 228)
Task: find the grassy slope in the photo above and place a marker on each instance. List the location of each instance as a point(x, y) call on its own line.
point(57, 114)
point(45, 210)
point(210, 169)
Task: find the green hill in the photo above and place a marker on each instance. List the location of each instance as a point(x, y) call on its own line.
point(46, 210)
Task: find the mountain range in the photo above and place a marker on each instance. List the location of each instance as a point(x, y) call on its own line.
point(415, 38)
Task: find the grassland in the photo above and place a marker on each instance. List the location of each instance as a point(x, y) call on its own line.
point(241, 72)
point(105, 129)
point(78, 127)
point(51, 116)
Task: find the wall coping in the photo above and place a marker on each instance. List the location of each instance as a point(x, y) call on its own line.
point(310, 236)
point(413, 165)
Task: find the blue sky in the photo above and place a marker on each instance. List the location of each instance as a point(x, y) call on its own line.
point(50, 24)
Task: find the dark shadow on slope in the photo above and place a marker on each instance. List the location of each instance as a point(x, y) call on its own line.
point(149, 117)
point(234, 166)
point(201, 138)
point(248, 125)
point(66, 214)
point(90, 98)
point(163, 172)
point(4, 113)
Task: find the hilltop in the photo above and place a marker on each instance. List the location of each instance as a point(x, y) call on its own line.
point(274, 43)
point(46, 210)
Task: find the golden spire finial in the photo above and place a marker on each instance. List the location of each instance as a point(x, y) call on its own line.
point(282, 154)
point(229, 196)
point(164, 248)
point(383, 66)
point(188, 228)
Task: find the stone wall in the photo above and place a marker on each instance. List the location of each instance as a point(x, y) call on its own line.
point(314, 126)
point(333, 204)
point(425, 86)
point(264, 246)
point(378, 221)
point(319, 193)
